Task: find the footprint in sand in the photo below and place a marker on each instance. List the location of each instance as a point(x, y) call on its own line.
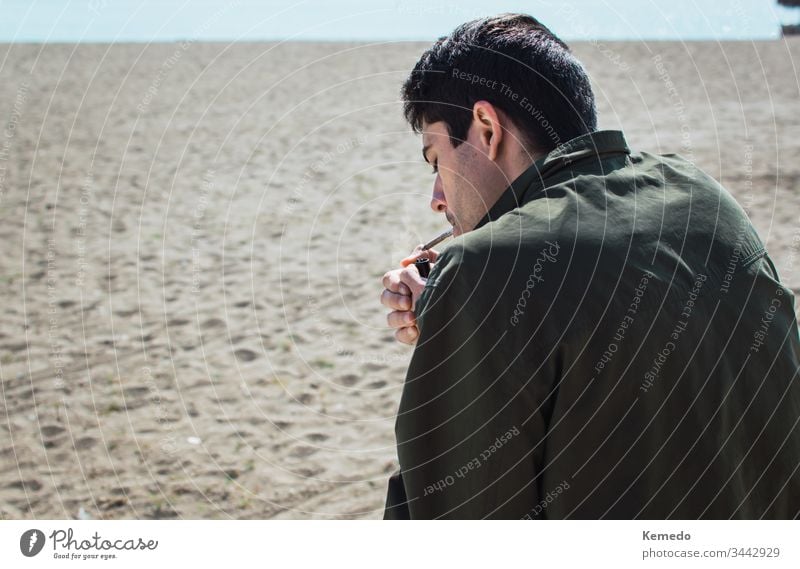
point(135, 397)
point(349, 380)
point(212, 323)
point(15, 346)
point(317, 437)
point(302, 451)
point(85, 443)
point(32, 485)
point(309, 472)
point(245, 355)
point(51, 431)
point(135, 392)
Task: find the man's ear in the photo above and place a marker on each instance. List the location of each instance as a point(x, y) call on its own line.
point(490, 131)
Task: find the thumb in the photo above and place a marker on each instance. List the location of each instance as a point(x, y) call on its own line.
point(420, 253)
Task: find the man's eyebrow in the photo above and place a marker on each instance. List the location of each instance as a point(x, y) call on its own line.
point(425, 152)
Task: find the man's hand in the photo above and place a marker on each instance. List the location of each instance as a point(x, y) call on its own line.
point(402, 288)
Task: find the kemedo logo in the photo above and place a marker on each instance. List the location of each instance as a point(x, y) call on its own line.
point(31, 542)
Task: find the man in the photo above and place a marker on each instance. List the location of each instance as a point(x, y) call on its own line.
point(606, 337)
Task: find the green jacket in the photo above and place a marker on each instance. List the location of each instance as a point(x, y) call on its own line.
point(611, 341)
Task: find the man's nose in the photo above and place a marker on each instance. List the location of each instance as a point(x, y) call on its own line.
point(437, 200)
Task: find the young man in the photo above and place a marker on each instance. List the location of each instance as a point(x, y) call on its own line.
point(606, 337)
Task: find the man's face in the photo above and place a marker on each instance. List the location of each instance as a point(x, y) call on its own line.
point(465, 177)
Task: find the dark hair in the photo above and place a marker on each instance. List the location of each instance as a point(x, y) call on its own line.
point(516, 64)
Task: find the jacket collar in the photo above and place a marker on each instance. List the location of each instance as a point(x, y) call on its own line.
point(598, 143)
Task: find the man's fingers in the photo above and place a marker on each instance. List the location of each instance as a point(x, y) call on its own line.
point(415, 283)
point(396, 301)
point(419, 253)
point(391, 281)
point(400, 319)
point(405, 282)
point(407, 335)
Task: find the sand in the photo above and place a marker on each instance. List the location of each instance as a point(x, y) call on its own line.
point(192, 240)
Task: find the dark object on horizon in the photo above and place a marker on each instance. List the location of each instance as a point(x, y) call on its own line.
point(790, 29)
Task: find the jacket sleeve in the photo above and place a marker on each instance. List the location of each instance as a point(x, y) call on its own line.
point(472, 419)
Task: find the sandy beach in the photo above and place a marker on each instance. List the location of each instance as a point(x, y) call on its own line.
point(192, 237)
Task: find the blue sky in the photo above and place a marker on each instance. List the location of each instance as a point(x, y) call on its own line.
point(168, 20)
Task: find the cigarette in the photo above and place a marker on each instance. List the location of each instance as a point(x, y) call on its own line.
point(436, 240)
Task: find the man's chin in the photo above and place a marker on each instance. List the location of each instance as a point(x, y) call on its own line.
point(460, 229)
